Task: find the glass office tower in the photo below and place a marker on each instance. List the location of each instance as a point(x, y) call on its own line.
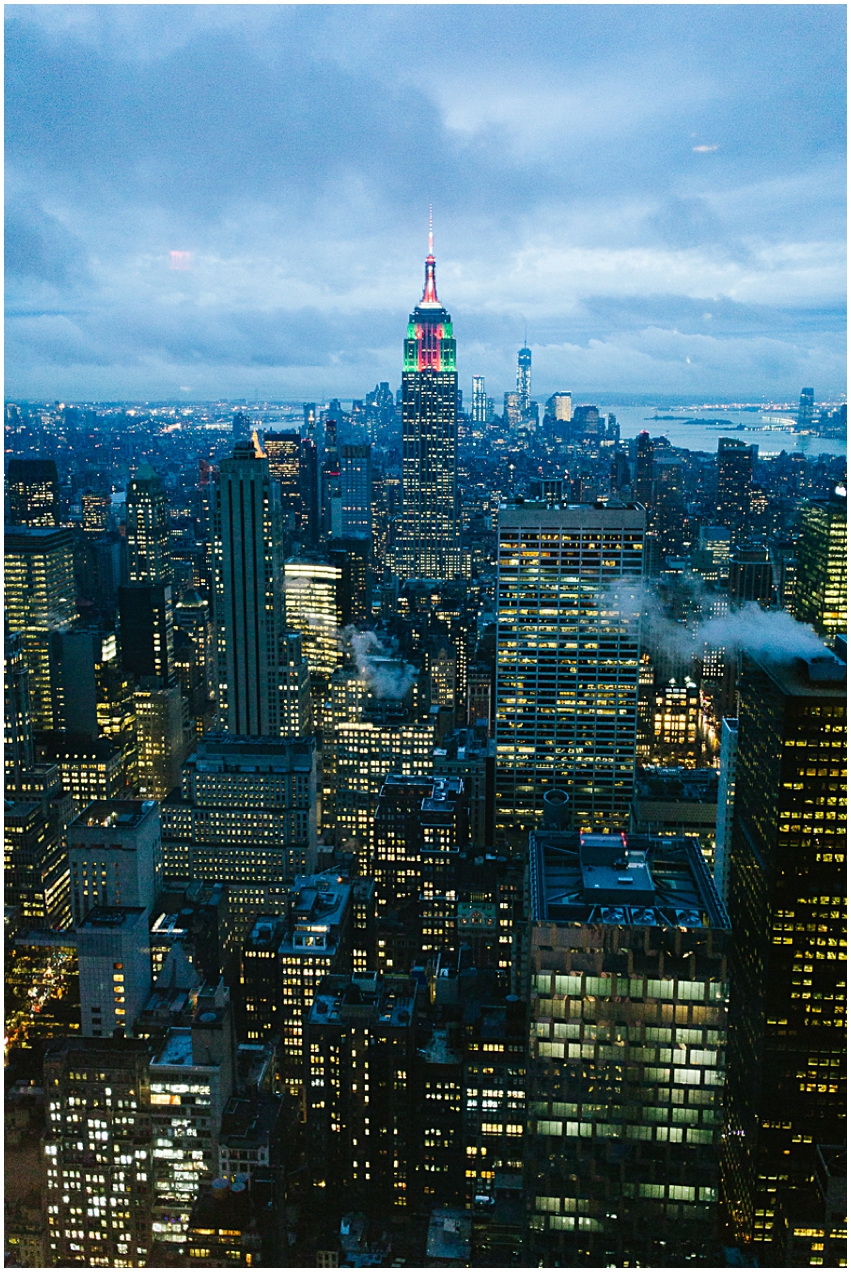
point(567, 659)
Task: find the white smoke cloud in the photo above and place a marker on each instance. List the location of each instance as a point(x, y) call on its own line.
point(751, 629)
point(386, 676)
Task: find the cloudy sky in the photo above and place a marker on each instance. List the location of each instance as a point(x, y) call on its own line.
point(655, 193)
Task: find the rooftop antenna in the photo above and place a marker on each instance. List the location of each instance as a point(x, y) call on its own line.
point(430, 232)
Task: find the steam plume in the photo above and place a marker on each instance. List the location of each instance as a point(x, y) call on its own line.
point(751, 629)
point(386, 679)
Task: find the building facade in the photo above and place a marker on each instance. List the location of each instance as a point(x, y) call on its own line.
point(567, 660)
point(97, 1153)
point(786, 1079)
point(821, 577)
point(429, 541)
point(628, 982)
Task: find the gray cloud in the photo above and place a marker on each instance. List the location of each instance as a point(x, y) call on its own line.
point(293, 150)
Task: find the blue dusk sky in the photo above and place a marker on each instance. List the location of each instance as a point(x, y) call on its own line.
point(655, 193)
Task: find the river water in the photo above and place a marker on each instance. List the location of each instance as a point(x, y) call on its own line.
point(694, 434)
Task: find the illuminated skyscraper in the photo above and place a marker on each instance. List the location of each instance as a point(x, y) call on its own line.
point(479, 413)
point(821, 582)
point(788, 972)
point(429, 540)
point(33, 487)
point(148, 558)
point(40, 599)
point(629, 983)
point(735, 473)
point(524, 379)
point(314, 608)
point(284, 451)
point(567, 660)
point(19, 755)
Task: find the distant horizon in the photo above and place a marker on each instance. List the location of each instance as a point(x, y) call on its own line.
point(582, 398)
point(653, 196)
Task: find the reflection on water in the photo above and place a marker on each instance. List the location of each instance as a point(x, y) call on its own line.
point(699, 436)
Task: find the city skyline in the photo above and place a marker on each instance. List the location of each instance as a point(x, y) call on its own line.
point(671, 233)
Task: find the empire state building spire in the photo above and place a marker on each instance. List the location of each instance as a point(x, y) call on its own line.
point(430, 289)
point(428, 546)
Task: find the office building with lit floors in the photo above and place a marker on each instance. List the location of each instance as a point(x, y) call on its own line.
point(97, 1153)
point(245, 812)
point(33, 486)
point(735, 474)
point(821, 579)
point(567, 661)
point(191, 1081)
point(39, 595)
point(429, 546)
point(628, 1024)
point(358, 1076)
point(787, 889)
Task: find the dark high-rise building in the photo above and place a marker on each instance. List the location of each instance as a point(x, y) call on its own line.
point(628, 989)
point(115, 856)
point(524, 379)
point(33, 487)
point(429, 540)
point(147, 632)
point(248, 595)
point(148, 559)
point(821, 577)
point(18, 753)
point(735, 473)
point(356, 492)
point(805, 409)
point(786, 1061)
point(751, 576)
point(309, 488)
point(644, 470)
point(360, 1048)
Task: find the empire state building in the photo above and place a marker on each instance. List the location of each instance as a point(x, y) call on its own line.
point(429, 541)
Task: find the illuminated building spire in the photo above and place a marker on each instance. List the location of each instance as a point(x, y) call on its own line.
point(430, 289)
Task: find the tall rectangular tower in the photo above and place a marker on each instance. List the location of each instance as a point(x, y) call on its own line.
point(628, 1028)
point(356, 491)
point(479, 410)
point(148, 559)
point(567, 660)
point(821, 580)
point(429, 542)
point(40, 598)
point(248, 594)
point(524, 379)
point(735, 473)
point(786, 1072)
